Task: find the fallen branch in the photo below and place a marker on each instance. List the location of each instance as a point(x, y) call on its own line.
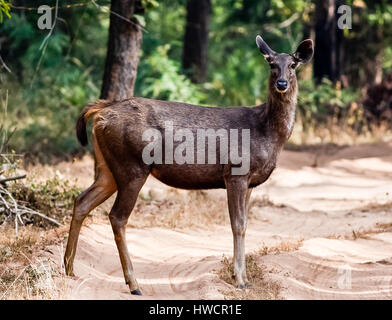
point(12, 178)
point(15, 210)
point(4, 65)
point(31, 211)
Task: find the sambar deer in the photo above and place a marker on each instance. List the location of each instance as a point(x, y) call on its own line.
point(118, 146)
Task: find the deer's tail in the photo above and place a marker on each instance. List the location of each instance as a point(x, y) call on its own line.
point(86, 113)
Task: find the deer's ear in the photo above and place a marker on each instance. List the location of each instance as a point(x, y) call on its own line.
point(265, 50)
point(304, 51)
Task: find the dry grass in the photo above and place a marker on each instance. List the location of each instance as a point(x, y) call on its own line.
point(283, 246)
point(179, 210)
point(339, 134)
point(54, 198)
point(376, 207)
point(38, 280)
point(263, 201)
point(261, 287)
point(364, 233)
point(367, 233)
point(23, 274)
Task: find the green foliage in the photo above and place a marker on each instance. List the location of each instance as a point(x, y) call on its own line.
point(150, 4)
point(317, 105)
point(5, 9)
point(324, 97)
point(7, 128)
point(387, 61)
point(47, 89)
point(162, 30)
point(160, 78)
point(368, 43)
point(241, 81)
point(381, 13)
point(54, 197)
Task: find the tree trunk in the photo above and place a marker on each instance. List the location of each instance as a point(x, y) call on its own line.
point(329, 39)
point(122, 58)
point(364, 63)
point(195, 53)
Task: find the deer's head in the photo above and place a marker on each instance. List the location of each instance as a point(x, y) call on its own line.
point(283, 65)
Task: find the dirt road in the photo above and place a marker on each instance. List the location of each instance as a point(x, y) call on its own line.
point(335, 203)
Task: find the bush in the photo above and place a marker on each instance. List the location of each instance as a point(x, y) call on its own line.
point(378, 102)
point(54, 198)
point(325, 104)
point(47, 89)
point(159, 77)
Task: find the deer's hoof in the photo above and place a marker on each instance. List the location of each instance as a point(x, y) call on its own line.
point(136, 292)
point(241, 286)
point(69, 273)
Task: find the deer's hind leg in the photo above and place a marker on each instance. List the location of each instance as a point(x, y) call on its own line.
point(102, 188)
point(128, 191)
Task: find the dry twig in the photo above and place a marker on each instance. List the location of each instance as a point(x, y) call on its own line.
point(12, 209)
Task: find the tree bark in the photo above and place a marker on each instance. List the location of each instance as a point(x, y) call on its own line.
point(195, 54)
point(329, 39)
point(122, 58)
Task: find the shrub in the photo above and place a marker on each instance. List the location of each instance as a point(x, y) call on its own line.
point(159, 77)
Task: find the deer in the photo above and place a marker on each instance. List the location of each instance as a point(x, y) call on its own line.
point(118, 147)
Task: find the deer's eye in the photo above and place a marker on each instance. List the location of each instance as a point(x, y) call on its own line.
point(293, 65)
point(273, 65)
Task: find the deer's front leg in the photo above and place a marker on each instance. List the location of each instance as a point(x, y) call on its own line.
point(238, 196)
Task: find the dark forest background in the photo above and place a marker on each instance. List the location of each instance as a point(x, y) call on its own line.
point(195, 51)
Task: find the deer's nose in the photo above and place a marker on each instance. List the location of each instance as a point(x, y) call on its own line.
point(282, 84)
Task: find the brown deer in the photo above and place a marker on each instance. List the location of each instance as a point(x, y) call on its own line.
point(118, 146)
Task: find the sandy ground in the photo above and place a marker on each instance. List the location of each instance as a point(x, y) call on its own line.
point(331, 201)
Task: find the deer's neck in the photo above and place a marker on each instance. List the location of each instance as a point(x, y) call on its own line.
point(281, 111)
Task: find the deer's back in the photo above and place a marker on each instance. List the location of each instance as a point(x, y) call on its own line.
point(120, 129)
